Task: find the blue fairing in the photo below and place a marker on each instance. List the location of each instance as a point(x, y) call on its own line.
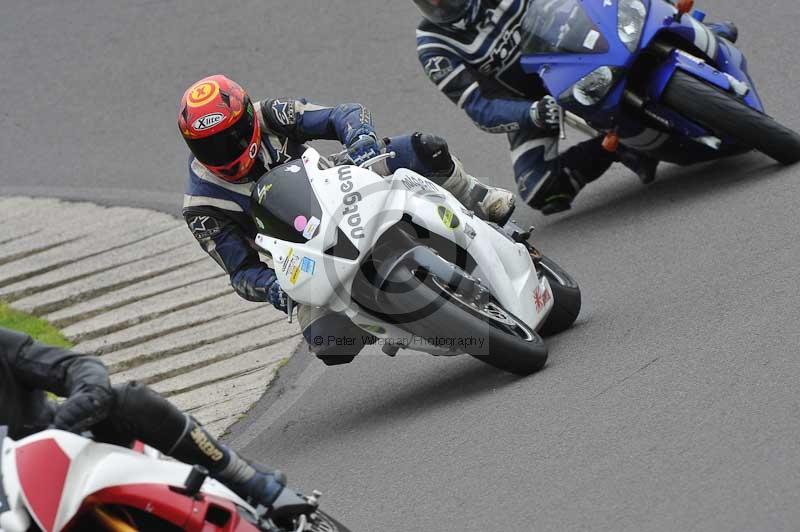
point(562, 70)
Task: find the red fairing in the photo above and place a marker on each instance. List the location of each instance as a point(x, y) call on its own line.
point(181, 510)
point(42, 467)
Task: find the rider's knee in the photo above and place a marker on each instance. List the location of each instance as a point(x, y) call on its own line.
point(334, 339)
point(434, 153)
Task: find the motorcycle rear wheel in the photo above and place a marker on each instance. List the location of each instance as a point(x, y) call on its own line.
point(728, 117)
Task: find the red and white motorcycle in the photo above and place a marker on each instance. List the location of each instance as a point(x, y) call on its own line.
point(58, 481)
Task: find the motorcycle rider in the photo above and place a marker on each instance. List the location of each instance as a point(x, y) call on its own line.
point(234, 141)
point(470, 49)
point(116, 414)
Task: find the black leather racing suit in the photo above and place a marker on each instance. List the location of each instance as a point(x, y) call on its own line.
point(29, 369)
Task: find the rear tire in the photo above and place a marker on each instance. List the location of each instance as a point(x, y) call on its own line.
point(566, 298)
point(442, 316)
point(728, 117)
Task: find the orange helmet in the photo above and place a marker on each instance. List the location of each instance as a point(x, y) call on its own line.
point(218, 122)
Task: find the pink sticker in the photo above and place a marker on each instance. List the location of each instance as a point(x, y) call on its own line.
point(300, 223)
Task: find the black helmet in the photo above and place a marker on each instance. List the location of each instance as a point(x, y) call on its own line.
point(444, 11)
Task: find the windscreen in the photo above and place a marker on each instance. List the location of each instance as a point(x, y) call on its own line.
point(284, 206)
point(560, 26)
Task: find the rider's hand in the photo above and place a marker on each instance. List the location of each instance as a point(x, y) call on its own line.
point(363, 144)
point(84, 408)
point(546, 114)
point(277, 297)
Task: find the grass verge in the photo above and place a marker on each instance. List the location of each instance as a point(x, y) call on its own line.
point(38, 329)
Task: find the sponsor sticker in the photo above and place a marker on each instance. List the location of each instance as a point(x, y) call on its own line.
point(300, 223)
point(202, 93)
point(208, 121)
point(311, 228)
point(289, 262)
point(415, 183)
point(295, 274)
point(293, 169)
point(469, 231)
point(448, 217)
point(541, 298)
point(591, 39)
point(253, 150)
point(308, 266)
point(350, 202)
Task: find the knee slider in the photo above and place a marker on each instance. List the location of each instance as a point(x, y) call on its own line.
point(434, 152)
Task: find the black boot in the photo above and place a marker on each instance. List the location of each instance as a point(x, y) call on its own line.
point(141, 413)
point(556, 192)
point(643, 166)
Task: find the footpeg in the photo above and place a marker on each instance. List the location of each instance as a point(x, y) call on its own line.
point(517, 234)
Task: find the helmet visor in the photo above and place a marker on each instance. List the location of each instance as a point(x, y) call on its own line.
point(226, 146)
point(444, 11)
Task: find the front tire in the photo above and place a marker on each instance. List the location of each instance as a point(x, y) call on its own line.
point(507, 342)
point(325, 523)
point(728, 117)
point(566, 298)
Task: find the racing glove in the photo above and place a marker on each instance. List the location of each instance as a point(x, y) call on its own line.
point(363, 144)
point(84, 408)
point(277, 297)
point(546, 114)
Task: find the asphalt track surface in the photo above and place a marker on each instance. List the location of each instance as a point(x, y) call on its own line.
point(673, 403)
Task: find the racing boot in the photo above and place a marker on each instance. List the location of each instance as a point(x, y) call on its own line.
point(492, 204)
point(261, 487)
point(556, 192)
point(643, 166)
point(251, 482)
point(726, 30)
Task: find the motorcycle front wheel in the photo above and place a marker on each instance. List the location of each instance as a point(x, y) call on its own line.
point(476, 324)
point(322, 522)
point(731, 118)
point(566, 298)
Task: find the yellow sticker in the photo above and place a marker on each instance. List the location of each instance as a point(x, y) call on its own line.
point(448, 217)
point(202, 93)
point(295, 275)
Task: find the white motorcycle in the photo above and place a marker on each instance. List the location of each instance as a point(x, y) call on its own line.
point(57, 481)
point(409, 264)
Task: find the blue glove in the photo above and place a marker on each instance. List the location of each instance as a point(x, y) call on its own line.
point(363, 144)
point(277, 297)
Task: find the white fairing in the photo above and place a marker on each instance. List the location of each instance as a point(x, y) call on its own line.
point(94, 466)
point(363, 205)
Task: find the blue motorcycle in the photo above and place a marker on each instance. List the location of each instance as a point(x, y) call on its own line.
point(651, 76)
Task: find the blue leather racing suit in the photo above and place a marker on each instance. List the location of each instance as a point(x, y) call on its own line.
point(475, 63)
point(218, 212)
